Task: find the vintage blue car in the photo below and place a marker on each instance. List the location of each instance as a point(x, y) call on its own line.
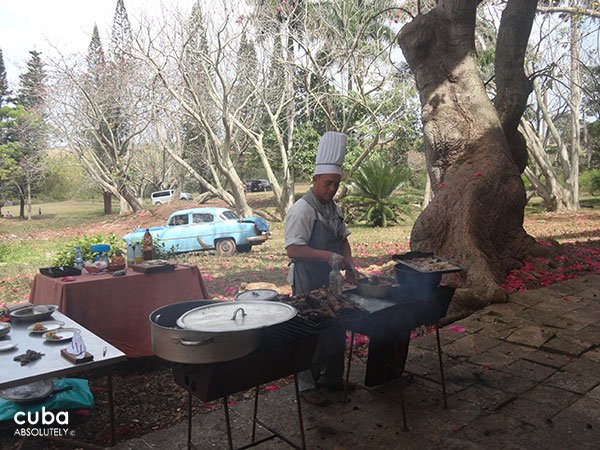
point(195, 229)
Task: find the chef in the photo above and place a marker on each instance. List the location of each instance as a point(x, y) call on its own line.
point(316, 236)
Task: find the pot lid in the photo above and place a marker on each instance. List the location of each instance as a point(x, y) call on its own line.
point(236, 316)
point(256, 294)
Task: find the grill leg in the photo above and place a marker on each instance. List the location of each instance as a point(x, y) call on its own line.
point(348, 367)
point(439, 350)
point(405, 426)
point(255, 414)
point(189, 420)
point(111, 409)
point(227, 424)
point(300, 420)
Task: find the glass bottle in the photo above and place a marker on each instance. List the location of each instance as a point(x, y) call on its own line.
point(137, 251)
point(147, 243)
point(130, 255)
point(335, 276)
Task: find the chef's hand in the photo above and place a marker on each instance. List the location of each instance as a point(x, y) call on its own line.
point(351, 277)
point(337, 260)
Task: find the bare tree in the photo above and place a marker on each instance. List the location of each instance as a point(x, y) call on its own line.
point(86, 116)
point(200, 77)
point(553, 128)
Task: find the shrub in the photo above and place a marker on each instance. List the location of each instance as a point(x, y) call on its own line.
point(66, 254)
point(590, 181)
point(159, 250)
point(373, 196)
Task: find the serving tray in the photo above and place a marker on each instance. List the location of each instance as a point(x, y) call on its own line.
point(153, 265)
point(60, 271)
point(410, 260)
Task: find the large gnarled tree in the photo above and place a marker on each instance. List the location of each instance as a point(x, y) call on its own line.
point(475, 153)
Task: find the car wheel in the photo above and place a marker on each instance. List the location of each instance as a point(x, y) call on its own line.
point(225, 247)
point(243, 248)
point(157, 203)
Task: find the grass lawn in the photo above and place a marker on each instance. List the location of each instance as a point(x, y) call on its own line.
point(25, 246)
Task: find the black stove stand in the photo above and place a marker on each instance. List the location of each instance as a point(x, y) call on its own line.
point(285, 349)
point(389, 325)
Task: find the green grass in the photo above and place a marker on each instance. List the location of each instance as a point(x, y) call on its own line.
point(55, 216)
point(19, 256)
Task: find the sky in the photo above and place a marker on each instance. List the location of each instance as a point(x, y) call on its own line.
point(66, 24)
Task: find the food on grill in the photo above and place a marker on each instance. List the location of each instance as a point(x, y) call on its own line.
point(39, 327)
point(321, 305)
point(429, 264)
point(28, 356)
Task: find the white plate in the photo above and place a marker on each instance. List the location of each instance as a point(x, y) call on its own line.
point(65, 334)
point(49, 325)
point(7, 345)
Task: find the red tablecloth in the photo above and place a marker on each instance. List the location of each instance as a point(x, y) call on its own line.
point(117, 308)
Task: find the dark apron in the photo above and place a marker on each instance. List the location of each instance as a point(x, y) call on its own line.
point(327, 234)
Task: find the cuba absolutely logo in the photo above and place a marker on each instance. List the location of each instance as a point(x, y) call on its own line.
point(44, 423)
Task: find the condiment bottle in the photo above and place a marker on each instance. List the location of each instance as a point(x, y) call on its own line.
point(137, 251)
point(147, 243)
point(130, 255)
point(335, 276)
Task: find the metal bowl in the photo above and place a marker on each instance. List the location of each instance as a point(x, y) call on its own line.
point(374, 287)
point(34, 313)
point(4, 328)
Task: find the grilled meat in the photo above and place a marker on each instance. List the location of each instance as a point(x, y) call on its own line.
point(321, 305)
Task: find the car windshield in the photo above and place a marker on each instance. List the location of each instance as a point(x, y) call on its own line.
point(230, 215)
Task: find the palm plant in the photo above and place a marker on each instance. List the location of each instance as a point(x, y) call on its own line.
point(373, 193)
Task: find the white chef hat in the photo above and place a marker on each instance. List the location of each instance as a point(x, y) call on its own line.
point(331, 152)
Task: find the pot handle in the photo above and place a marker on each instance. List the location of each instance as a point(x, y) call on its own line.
point(196, 343)
point(237, 311)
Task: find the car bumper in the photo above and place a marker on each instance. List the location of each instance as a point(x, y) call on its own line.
point(260, 239)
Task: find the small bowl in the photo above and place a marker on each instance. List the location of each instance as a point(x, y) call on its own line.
point(94, 269)
point(4, 328)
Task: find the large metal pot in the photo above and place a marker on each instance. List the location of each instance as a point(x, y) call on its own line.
point(184, 333)
point(172, 343)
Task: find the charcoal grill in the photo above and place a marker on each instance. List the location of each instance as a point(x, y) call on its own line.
point(285, 349)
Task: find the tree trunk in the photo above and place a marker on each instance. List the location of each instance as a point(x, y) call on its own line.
point(28, 190)
point(22, 206)
point(555, 196)
point(107, 197)
point(129, 202)
point(575, 88)
point(476, 215)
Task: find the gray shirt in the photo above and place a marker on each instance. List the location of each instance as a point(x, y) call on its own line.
point(299, 222)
